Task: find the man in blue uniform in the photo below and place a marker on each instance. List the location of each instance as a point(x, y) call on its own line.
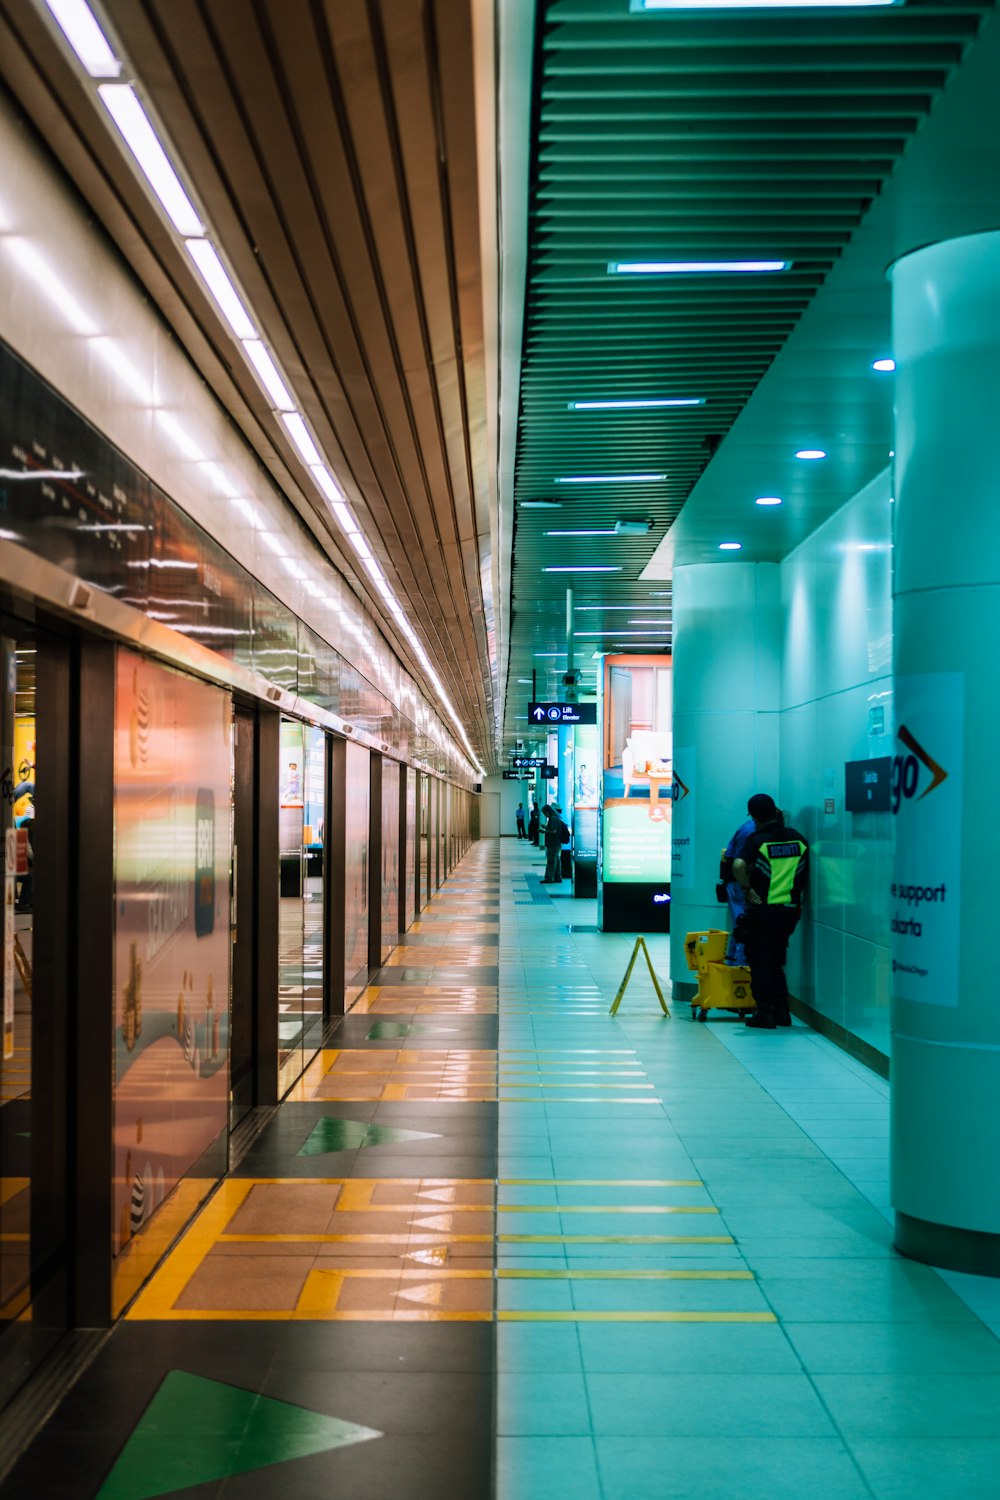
point(735, 899)
point(771, 871)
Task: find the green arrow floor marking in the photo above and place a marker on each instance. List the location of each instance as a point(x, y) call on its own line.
point(383, 1029)
point(332, 1134)
point(196, 1430)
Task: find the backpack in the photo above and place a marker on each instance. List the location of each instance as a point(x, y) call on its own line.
point(564, 833)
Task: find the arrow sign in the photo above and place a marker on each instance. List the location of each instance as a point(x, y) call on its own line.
point(563, 713)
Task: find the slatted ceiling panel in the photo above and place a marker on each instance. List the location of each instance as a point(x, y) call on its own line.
point(683, 135)
point(333, 148)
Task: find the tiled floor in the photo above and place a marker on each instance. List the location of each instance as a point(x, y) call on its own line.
point(818, 1364)
point(565, 1254)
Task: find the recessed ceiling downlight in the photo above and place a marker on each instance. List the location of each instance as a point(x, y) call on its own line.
point(730, 546)
point(884, 366)
point(811, 453)
point(768, 500)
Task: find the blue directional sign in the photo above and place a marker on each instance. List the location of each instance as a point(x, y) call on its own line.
point(526, 762)
point(553, 714)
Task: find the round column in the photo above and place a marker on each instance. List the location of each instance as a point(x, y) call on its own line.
point(945, 1132)
point(727, 679)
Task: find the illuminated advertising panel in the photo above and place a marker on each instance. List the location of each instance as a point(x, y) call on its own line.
point(637, 769)
point(173, 770)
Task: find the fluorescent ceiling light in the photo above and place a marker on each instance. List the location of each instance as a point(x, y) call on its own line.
point(540, 504)
point(639, 404)
point(584, 568)
point(641, 621)
point(299, 434)
point(644, 634)
point(811, 453)
point(77, 23)
point(884, 366)
point(227, 299)
point(122, 104)
point(269, 377)
point(324, 479)
point(768, 500)
point(524, 681)
point(611, 479)
point(661, 593)
point(691, 267)
point(730, 546)
point(345, 518)
point(580, 533)
point(604, 608)
point(647, 5)
point(548, 653)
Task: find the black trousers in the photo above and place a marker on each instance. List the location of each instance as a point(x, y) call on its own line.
point(768, 929)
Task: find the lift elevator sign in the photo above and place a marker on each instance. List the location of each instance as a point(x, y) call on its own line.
point(554, 714)
point(926, 798)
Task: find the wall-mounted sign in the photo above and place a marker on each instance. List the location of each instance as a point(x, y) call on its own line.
point(526, 762)
point(562, 713)
point(926, 798)
point(867, 784)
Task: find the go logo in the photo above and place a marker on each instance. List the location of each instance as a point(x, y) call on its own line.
point(906, 771)
point(678, 791)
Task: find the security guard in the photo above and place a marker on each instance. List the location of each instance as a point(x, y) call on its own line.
point(771, 870)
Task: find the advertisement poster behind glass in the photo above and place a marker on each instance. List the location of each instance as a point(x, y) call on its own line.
point(173, 767)
point(636, 748)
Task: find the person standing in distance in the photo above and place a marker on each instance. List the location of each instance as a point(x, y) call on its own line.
point(554, 829)
point(533, 825)
point(771, 870)
point(519, 820)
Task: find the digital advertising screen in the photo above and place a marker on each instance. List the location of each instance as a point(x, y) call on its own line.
point(636, 769)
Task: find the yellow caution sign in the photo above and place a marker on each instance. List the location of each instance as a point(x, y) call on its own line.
point(639, 943)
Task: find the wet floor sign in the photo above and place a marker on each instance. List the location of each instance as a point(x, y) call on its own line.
point(639, 943)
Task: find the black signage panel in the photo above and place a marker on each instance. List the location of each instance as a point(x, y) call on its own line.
point(518, 776)
point(867, 786)
point(554, 714)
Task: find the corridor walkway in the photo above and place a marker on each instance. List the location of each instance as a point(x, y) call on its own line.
point(543, 1249)
point(697, 1292)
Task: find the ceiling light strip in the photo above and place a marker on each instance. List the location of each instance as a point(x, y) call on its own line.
point(86, 38)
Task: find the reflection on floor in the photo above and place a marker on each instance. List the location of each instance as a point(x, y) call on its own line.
point(331, 1308)
point(670, 1240)
point(356, 1248)
point(407, 1075)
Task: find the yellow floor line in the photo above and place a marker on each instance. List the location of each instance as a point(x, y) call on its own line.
point(435, 1237)
point(505, 1315)
point(513, 1099)
point(158, 1297)
point(599, 1182)
point(602, 1208)
point(515, 1274)
point(615, 1239)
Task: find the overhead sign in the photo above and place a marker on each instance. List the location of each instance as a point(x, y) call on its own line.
point(562, 713)
point(518, 776)
point(526, 762)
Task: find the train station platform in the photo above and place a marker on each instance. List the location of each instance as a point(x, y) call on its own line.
point(499, 1242)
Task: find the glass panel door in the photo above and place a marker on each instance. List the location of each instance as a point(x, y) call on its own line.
point(18, 1128)
point(291, 905)
point(314, 877)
